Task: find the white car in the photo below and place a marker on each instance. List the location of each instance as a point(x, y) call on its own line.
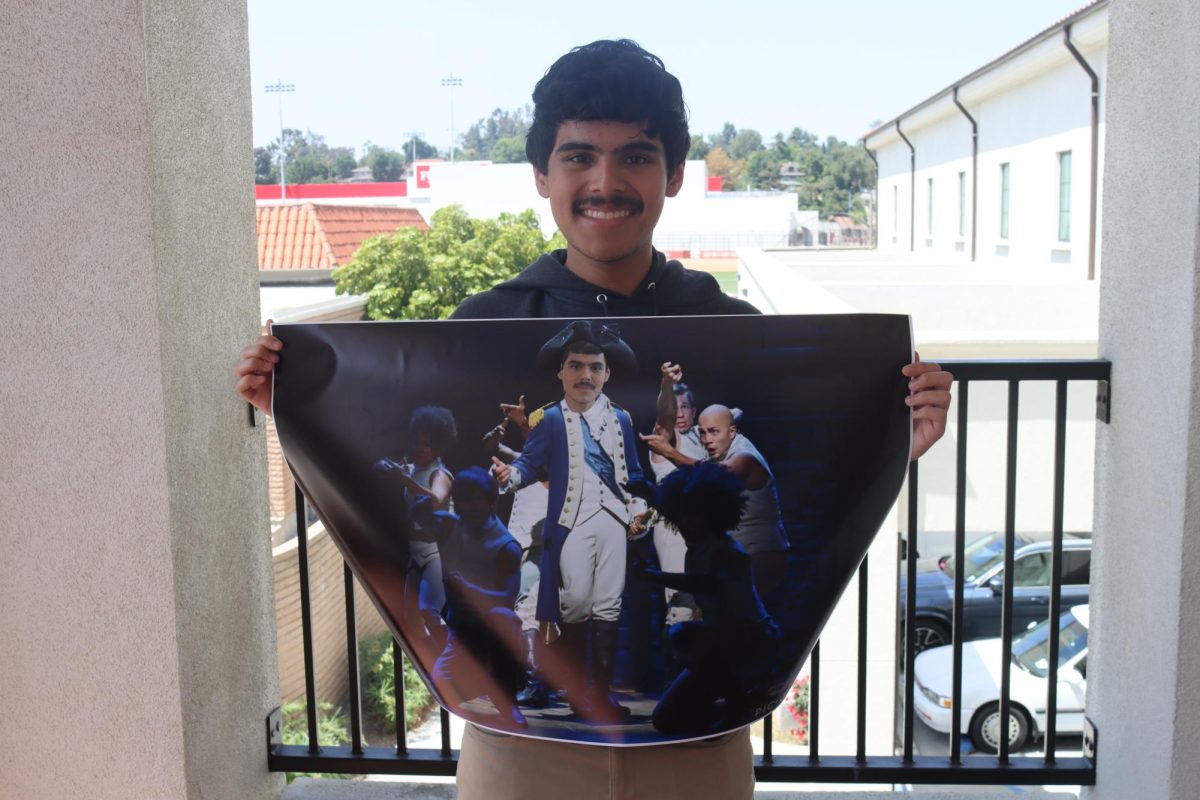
point(933, 674)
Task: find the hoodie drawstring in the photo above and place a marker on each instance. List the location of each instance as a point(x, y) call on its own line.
point(602, 299)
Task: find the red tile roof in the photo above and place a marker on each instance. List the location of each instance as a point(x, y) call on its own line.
point(315, 236)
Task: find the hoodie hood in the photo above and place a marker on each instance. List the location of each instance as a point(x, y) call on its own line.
point(546, 288)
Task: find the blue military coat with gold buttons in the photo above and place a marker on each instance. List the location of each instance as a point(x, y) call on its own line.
point(555, 445)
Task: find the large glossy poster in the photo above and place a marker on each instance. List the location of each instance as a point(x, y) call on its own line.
point(611, 531)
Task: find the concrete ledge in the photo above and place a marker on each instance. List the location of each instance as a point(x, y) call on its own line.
point(314, 789)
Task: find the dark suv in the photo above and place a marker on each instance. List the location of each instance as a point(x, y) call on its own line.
point(983, 586)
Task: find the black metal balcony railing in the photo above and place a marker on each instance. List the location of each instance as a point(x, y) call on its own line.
point(907, 767)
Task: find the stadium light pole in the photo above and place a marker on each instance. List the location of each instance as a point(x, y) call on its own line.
point(280, 88)
point(451, 82)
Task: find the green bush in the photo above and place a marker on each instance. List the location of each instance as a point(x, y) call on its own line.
point(415, 274)
point(378, 670)
point(332, 728)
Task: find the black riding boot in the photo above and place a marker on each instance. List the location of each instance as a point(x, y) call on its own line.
point(604, 658)
point(572, 643)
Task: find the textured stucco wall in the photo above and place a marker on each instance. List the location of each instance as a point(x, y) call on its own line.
point(135, 595)
point(1144, 684)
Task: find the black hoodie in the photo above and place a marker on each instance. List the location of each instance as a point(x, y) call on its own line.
point(546, 288)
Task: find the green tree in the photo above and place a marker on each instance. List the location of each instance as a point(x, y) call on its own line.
point(423, 148)
point(762, 169)
point(343, 167)
point(413, 274)
point(309, 158)
point(479, 139)
point(386, 164)
point(724, 138)
point(801, 138)
point(699, 148)
point(510, 150)
point(744, 143)
point(266, 167)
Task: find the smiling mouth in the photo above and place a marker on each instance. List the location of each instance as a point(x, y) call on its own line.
point(595, 213)
point(608, 208)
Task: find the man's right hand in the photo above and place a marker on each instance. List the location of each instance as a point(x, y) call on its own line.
point(501, 472)
point(255, 370)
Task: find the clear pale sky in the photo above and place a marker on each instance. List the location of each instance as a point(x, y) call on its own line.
point(372, 69)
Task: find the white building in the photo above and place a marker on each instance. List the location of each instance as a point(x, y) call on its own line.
point(1027, 192)
point(696, 220)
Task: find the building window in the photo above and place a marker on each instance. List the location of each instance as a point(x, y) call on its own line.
point(1064, 196)
point(929, 212)
point(1004, 200)
point(895, 208)
point(962, 203)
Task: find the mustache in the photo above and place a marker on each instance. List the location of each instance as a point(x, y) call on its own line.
point(583, 384)
point(618, 201)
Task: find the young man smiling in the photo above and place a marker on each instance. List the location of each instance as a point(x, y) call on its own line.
point(608, 144)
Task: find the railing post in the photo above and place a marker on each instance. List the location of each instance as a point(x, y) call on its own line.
point(310, 677)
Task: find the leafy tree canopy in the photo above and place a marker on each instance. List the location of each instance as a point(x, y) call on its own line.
point(509, 151)
point(414, 274)
point(422, 148)
point(309, 159)
point(479, 140)
point(386, 164)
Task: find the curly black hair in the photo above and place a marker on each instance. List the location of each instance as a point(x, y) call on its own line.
point(438, 422)
point(609, 81)
point(706, 491)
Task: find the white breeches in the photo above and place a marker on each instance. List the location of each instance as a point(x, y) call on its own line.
point(592, 566)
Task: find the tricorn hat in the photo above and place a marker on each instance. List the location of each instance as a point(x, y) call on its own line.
point(606, 336)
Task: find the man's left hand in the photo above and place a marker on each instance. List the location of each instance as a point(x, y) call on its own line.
point(929, 399)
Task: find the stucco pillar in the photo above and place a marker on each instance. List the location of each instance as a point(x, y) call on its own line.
point(1144, 667)
point(136, 628)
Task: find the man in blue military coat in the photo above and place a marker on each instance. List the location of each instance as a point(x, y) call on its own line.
point(588, 446)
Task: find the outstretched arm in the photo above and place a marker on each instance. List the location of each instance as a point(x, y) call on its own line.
point(438, 490)
point(667, 405)
point(661, 445)
point(515, 413)
point(494, 447)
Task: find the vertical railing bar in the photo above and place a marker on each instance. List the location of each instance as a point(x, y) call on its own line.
point(814, 701)
point(861, 733)
point(445, 724)
point(768, 755)
point(1060, 473)
point(310, 678)
point(910, 612)
point(960, 537)
point(398, 696)
point(352, 677)
point(1010, 536)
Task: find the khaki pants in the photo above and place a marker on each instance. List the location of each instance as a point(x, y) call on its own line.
point(496, 766)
